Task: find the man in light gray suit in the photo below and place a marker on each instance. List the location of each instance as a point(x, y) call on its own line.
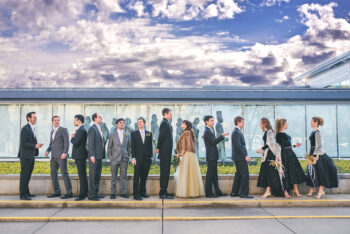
point(96, 152)
point(119, 152)
point(59, 145)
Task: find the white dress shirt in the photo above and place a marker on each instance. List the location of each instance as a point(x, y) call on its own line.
point(33, 129)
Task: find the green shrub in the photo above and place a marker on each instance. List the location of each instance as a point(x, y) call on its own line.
point(43, 167)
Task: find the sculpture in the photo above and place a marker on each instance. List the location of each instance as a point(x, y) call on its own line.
point(220, 130)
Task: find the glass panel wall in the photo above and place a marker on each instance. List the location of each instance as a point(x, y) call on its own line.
point(298, 128)
point(9, 134)
point(344, 130)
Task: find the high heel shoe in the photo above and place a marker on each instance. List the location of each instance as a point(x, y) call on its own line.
point(318, 196)
point(296, 194)
point(266, 195)
point(286, 195)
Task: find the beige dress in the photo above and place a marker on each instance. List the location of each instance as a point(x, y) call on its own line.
point(189, 181)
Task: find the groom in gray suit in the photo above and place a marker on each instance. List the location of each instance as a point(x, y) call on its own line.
point(96, 152)
point(59, 145)
point(119, 152)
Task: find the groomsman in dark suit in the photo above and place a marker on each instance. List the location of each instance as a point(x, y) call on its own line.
point(142, 152)
point(96, 152)
point(212, 156)
point(59, 146)
point(241, 159)
point(165, 148)
point(28, 149)
point(80, 154)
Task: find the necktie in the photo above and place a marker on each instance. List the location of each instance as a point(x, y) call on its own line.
point(54, 134)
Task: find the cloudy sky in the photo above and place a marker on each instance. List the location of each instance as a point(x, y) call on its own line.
point(167, 43)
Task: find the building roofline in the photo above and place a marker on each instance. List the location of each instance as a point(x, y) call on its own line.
point(222, 94)
point(325, 66)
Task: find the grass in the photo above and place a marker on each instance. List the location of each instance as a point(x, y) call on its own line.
point(43, 167)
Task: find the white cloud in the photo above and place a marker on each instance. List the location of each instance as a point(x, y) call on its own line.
point(138, 52)
point(284, 18)
point(195, 9)
point(269, 3)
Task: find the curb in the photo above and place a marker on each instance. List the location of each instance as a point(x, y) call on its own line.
point(177, 204)
point(113, 219)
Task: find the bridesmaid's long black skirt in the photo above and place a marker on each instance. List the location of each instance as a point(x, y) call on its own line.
point(293, 172)
point(323, 173)
point(269, 176)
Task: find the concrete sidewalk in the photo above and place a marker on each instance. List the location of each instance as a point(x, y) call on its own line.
point(330, 200)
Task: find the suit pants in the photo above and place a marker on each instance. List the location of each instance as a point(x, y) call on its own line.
point(241, 181)
point(56, 163)
point(212, 178)
point(27, 166)
point(140, 176)
point(123, 174)
point(81, 166)
point(95, 170)
point(165, 163)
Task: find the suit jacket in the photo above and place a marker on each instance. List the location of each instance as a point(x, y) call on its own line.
point(116, 150)
point(79, 144)
point(140, 150)
point(95, 143)
point(212, 153)
point(27, 143)
point(165, 139)
point(239, 149)
point(60, 144)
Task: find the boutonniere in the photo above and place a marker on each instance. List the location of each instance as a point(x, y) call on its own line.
point(125, 134)
point(148, 134)
point(59, 129)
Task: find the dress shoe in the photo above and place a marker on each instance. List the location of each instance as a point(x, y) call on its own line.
point(165, 196)
point(80, 198)
point(100, 196)
point(113, 196)
point(124, 195)
point(211, 195)
point(54, 195)
point(246, 196)
point(144, 195)
point(234, 195)
point(221, 194)
point(93, 199)
point(68, 195)
point(31, 195)
point(138, 198)
point(25, 198)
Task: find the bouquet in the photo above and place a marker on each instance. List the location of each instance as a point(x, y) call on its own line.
point(311, 159)
point(276, 164)
point(176, 159)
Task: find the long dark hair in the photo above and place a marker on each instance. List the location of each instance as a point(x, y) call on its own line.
point(189, 128)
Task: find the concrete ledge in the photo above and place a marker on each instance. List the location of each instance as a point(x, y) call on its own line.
point(155, 203)
point(41, 184)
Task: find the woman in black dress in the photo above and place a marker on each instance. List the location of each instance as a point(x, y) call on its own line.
point(293, 172)
point(270, 176)
point(321, 172)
